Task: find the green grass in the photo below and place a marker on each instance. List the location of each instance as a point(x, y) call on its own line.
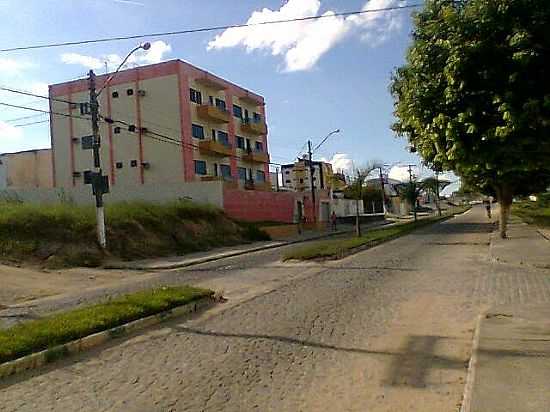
point(64, 234)
point(338, 248)
point(48, 332)
point(536, 213)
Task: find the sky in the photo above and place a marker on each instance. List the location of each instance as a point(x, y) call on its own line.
point(316, 76)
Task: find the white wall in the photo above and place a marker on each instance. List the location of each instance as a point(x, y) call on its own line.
point(201, 192)
point(345, 207)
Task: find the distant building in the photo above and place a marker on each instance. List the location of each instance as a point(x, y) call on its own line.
point(296, 176)
point(26, 169)
point(164, 123)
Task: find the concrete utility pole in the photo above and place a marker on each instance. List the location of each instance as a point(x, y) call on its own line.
point(99, 183)
point(311, 173)
point(410, 182)
point(383, 192)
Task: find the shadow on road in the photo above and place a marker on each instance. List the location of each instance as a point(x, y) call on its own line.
point(458, 228)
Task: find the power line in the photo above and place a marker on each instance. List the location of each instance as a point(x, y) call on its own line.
point(17, 119)
point(23, 92)
point(15, 106)
point(208, 29)
point(31, 123)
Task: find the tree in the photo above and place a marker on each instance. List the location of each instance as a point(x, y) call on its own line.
point(409, 192)
point(474, 95)
point(356, 189)
point(434, 186)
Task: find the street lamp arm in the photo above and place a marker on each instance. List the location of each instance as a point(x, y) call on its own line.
point(325, 139)
point(144, 46)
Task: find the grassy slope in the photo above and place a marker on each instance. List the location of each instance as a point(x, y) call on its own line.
point(64, 234)
point(337, 248)
point(41, 334)
point(537, 213)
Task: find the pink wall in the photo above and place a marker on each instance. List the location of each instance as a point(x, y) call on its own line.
point(257, 206)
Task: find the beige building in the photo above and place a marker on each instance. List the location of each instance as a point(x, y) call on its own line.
point(296, 176)
point(26, 169)
point(164, 123)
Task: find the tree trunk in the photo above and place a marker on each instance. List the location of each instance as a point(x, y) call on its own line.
point(357, 222)
point(505, 196)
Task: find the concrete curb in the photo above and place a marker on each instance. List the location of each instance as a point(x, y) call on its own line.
point(543, 234)
point(472, 365)
point(206, 259)
point(38, 359)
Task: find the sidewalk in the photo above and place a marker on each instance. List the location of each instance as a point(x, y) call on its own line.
point(510, 366)
point(190, 259)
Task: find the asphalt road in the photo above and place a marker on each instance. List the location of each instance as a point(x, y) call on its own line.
point(388, 329)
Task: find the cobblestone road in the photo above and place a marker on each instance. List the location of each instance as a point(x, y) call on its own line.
point(388, 329)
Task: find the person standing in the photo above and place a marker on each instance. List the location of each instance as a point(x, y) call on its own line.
point(333, 220)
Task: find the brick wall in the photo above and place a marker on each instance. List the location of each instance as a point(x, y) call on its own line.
point(255, 206)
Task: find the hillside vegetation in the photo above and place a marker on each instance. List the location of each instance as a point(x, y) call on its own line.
point(64, 234)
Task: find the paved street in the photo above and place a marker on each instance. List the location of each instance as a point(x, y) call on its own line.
point(388, 329)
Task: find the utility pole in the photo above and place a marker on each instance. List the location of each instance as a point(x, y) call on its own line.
point(100, 184)
point(311, 173)
point(277, 178)
point(411, 186)
point(437, 192)
point(383, 192)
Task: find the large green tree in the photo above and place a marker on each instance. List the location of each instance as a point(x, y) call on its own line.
point(474, 94)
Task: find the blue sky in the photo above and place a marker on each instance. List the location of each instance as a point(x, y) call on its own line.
point(315, 77)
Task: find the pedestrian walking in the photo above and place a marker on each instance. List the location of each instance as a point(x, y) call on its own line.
point(333, 220)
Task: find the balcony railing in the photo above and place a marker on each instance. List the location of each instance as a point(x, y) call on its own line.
point(213, 113)
point(255, 156)
point(257, 127)
point(214, 148)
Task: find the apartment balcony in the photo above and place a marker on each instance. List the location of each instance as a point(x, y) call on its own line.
point(255, 157)
point(213, 148)
point(254, 127)
point(261, 186)
point(213, 114)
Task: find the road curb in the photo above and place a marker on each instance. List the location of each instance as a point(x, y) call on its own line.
point(206, 259)
point(543, 234)
point(38, 359)
point(472, 365)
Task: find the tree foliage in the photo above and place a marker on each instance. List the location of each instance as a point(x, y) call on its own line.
point(474, 95)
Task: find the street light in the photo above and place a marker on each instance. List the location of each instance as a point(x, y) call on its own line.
point(100, 183)
point(311, 171)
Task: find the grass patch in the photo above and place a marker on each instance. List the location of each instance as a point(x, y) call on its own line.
point(48, 332)
point(535, 213)
point(338, 248)
point(63, 235)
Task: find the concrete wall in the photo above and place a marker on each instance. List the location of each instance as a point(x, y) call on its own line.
point(255, 206)
point(346, 207)
point(27, 169)
point(201, 192)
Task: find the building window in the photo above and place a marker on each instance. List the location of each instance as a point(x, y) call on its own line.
point(87, 142)
point(220, 104)
point(197, 131)
point(259, 147)
point(200, 167)
point(195, 96)
point(116, 130)
point(115, 95)
point(237, 111)
point(260, 176)
point(288, 182)
point(223, 138)
point(242, 173)
point(132, 128)
point(130, 92)
point(240, 142)
point(257, 117)
point(133, 163)
point(287, 172)
point(301, 180)
point(225, 171)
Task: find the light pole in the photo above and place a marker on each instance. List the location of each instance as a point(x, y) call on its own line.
point(100, 183)
point(311, 170)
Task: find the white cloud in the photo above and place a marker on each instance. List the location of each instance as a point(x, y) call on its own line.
point(304, 43)
point(8, 132)
point(155, 54)
point(341, 162)
point(11, 66)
